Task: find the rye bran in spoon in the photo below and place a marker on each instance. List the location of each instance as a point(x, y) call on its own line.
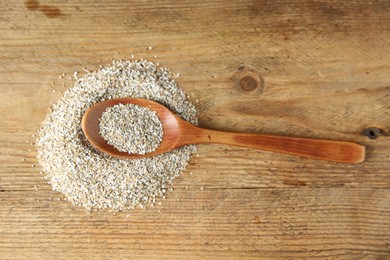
point(131, 128)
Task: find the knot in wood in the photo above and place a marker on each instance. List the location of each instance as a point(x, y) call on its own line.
point(249, 82)
point(372, 132)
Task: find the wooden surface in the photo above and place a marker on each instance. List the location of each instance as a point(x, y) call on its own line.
point(302, 68)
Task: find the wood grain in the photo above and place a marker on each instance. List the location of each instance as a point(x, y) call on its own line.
point(301, 68)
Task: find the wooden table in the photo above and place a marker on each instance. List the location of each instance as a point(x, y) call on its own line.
point(316, 69)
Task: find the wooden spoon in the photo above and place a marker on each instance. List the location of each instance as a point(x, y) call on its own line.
point(178, 132)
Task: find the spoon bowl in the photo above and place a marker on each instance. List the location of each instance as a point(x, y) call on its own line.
point(172, 127)
point(178, 132)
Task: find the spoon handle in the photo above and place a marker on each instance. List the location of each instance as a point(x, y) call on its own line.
point(338, 151)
